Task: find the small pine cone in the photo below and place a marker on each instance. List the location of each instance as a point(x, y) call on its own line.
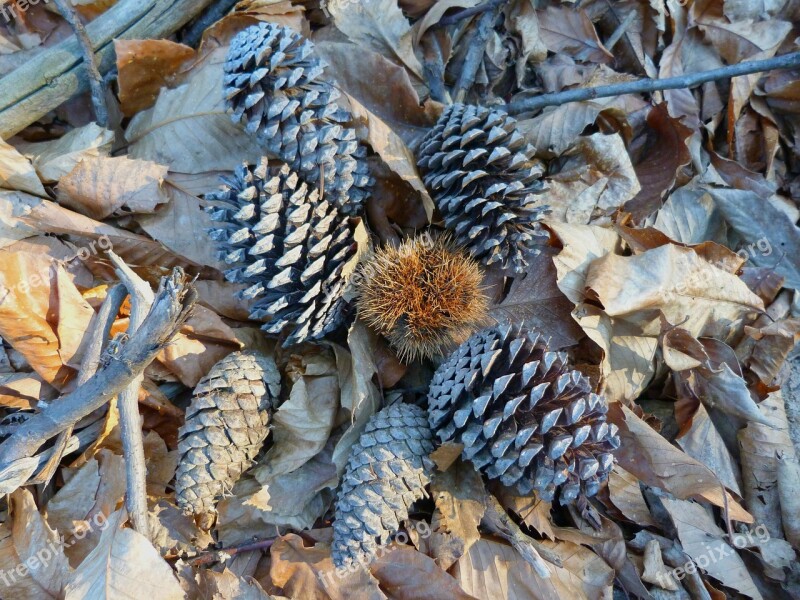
point(425, 296)
point(523, 416)
point(386, 473)
point(226, 425)
point(274, 86)
point(288, 246)
point(484, 180)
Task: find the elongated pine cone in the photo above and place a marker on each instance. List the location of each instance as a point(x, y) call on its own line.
point(226, 425)
point(484, 180)
point(386, 473)
point(523, 416)
point(288, 246)
point(274, 86)
point(425, 296)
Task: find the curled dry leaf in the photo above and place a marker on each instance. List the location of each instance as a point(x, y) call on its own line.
point(565, 29)
point(42, 315)
point(24, 535)
point(16, 171)
point(144, 67)
point(626, 495)
point(228, 584)
point(102, 186)
point(123, 556)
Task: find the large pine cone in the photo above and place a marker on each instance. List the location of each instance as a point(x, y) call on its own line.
point(226, 425)
point(484, 180)
point(274, 86)
point(290, 247)
point(387, 472)
point(523, 416)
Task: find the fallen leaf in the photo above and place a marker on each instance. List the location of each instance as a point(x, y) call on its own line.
point(188, 128)
point(144, 67)
point(626, 495)
point(230, 585)
point(566, 29)
point(410, 575)
point(121, 557)
point(100, 187)
point(32, 555)
point(379, 25)
point(17, 173)
point(54, 159)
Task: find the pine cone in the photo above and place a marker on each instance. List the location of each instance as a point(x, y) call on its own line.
point(523, 416)
point(387, 472)
point(484, 180)
point(274, 86)
point(290, 247)
point(226, 425)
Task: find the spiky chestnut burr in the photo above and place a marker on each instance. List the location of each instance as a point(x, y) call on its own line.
point(274, 86)
point(484, 179)
point(523, 415)
point(226, 425)
point(387, 472)
point(424, 296)
point(288, 246)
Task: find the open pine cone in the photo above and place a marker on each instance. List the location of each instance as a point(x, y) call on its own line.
point(386, 473)
point(484, 180)
point(226, 425)
point(523, 416)
point(274, 86)
point(288, 246)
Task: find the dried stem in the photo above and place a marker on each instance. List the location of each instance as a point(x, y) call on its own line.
point(174, 301)
point(468, 12)
point(433, 68)
point(476, 49)
point(96, 84)
point(101, 329)
point(786, 61)
point(224, 553)
point(130, 426)
point(194, 30)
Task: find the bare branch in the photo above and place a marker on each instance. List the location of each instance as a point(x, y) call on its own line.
point(786, 61)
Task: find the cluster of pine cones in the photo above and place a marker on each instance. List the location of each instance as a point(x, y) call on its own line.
point(286, 230)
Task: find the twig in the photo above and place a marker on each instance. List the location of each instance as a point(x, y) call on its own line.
point(224, 553)
point(433, 68)
point(95, 78)
point(194, 31)
point(174, 300)
point(53, 76)
point(130, 427)
point(468, 12)
point(786, 61)
point(98, 336)
point(620, 31)
point(475, 50)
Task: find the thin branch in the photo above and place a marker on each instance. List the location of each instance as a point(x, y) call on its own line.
point(101, 329)
point(223, 554)
point(129, 422)
point(194, 31)
point(475, 51)
point(96, 85)
point(646, 85)
point(468, 12)
point(433, 68)
point(174, 301)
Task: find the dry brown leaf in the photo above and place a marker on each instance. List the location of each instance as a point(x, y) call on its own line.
point(760, 445)
point(144, 67)
point(459, 496)
point(251, 12)
point(228, 584)
point(32, 555)
point(686, 289)
point(24, 390)
point(54, 159)
point(651, 458)
point(535, 300)
point(689, 216)
point(378, 25)
point(100, 187)
point(308, 573)
point(121, 557)
point(705, 542)
point(566, 29)
point(16, 171)
point(533, 511)
point(42, 315)
point(680, 102)
point(626, 495)
point(174, 532)
point(410, 575)
point(188, 128)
